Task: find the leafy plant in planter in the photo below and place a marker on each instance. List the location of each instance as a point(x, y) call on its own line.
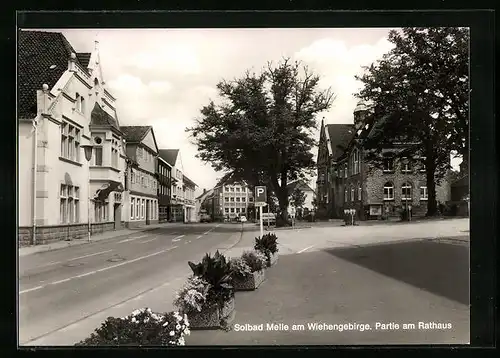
point(267, 244)
point(141, 328)
point(249, 270)
point(208, 297)
point(217, 272)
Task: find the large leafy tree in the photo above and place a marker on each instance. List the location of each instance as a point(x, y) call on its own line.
point(297, 197)
point(420, 93)
point(262, 130)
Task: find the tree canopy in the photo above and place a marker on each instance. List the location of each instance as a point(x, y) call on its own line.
point(420, 92)
point(262, 129)
point(297, 197)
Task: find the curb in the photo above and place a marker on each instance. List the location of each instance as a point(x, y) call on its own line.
point(76, 242)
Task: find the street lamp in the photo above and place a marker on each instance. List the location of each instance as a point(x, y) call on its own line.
point(87, 148)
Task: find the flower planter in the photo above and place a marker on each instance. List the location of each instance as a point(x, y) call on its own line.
point(212, 317)
point(272, 260)
point(249, 283)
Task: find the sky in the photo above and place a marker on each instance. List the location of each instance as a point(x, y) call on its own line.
point(163, 77)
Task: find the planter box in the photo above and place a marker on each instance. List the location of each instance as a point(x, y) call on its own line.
point(211, 318)
point(271, 261)
point(250, 282)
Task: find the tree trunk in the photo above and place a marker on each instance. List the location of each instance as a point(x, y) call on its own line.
point(431, 188)
point(283, 205)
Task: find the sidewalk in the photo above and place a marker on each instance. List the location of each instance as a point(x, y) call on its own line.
point(419, 283)
point(28, 250)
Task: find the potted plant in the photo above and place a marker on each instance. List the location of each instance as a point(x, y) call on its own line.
point(248, 270)
point(267, 244)
point(141, 328)
point(208, 296)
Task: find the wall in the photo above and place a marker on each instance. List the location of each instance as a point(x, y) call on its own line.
point(25, 173)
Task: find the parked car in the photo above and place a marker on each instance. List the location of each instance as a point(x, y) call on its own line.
point(268, 217)
point(243, 219)
point(205, 218)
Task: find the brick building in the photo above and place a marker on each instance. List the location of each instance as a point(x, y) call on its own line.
point(347, 181)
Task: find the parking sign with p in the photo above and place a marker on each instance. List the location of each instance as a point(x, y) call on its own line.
point(260, 194)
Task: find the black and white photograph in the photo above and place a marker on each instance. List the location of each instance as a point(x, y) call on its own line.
point(243, 186)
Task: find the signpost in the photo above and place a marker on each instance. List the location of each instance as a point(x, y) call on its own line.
point(292, 215)
point(260, 201)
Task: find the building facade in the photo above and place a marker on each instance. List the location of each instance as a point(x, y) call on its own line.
point(142, 191)
point(231, 199)
point(63, 104)
point(347, 181)
point(204, 204)
point(189, 187)
point(177, 208)
point(309, 192)
point(164, 174)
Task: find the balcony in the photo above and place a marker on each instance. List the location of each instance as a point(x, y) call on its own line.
point(103, 173)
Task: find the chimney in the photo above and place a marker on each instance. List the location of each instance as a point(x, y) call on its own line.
point(204, 191)
point(72, 62)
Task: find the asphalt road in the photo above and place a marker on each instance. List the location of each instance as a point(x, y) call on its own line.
point(63, 286)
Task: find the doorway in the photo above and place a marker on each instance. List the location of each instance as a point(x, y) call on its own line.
point(148, 213)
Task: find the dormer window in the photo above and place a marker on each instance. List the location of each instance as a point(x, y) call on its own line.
point(78, 103)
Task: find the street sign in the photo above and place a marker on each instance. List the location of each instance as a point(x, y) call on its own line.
point(260, 194)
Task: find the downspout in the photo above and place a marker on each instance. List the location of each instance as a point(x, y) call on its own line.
point(35, 166)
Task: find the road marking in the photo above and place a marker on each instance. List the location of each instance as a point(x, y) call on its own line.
point(76, 258)
point(198, 237)
point(143, 242)
point(31, 289)
point(307, 248)
point(139, 237)
point(177, 238)
point(187, 242)
point(100, 270)
point(126, 240)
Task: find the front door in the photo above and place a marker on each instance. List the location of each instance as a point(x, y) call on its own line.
point(117, 214)
point(148, 213)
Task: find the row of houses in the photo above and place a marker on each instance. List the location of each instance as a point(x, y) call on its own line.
point(231, 198)
point(345, 180)
point(78, 166)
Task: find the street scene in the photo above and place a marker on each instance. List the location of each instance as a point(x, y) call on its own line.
point(183, 192)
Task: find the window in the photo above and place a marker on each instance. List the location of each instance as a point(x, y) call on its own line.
point(142, 180)
point(143, 207)
point(101, 211)
point(137, 205)
point(226, 199)
point(98, 156)
point(356, 161)
point(243, 210)
point(114, 154)
point(243, 199)
point(423, 193)
point(352, 193)
point(132, 176)
point(232, 210)
point(69, 204)
point(346, 196)
point(345, 170)
point(388, 191)
point(232, 199)
point(139, 152)
point(406, 165)
point(226, 210)
point(237, 200)
point(237, 210)
point(360, 190)
point(232, 189)
point(132, 206)
point(226, 188)
point(250, 199)
point(388, 165)
point(406, 191)
point(78, 103)
point(238, 190)
point(70, 142)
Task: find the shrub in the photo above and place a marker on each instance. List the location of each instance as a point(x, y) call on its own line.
point(255, 260)
point(217, 272)
point(142, 327)
point(267, 244)
point(239, 267)
point(193, 295)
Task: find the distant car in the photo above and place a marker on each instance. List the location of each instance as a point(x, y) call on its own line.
point(205, 218)
point(243, 219)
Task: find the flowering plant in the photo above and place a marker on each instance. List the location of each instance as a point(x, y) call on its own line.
point(267, 244)
point(240, 267)
point(193, 295)
point(142, 327)
point(255, 260)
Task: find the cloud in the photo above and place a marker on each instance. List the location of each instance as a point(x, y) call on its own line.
point(337, 63)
